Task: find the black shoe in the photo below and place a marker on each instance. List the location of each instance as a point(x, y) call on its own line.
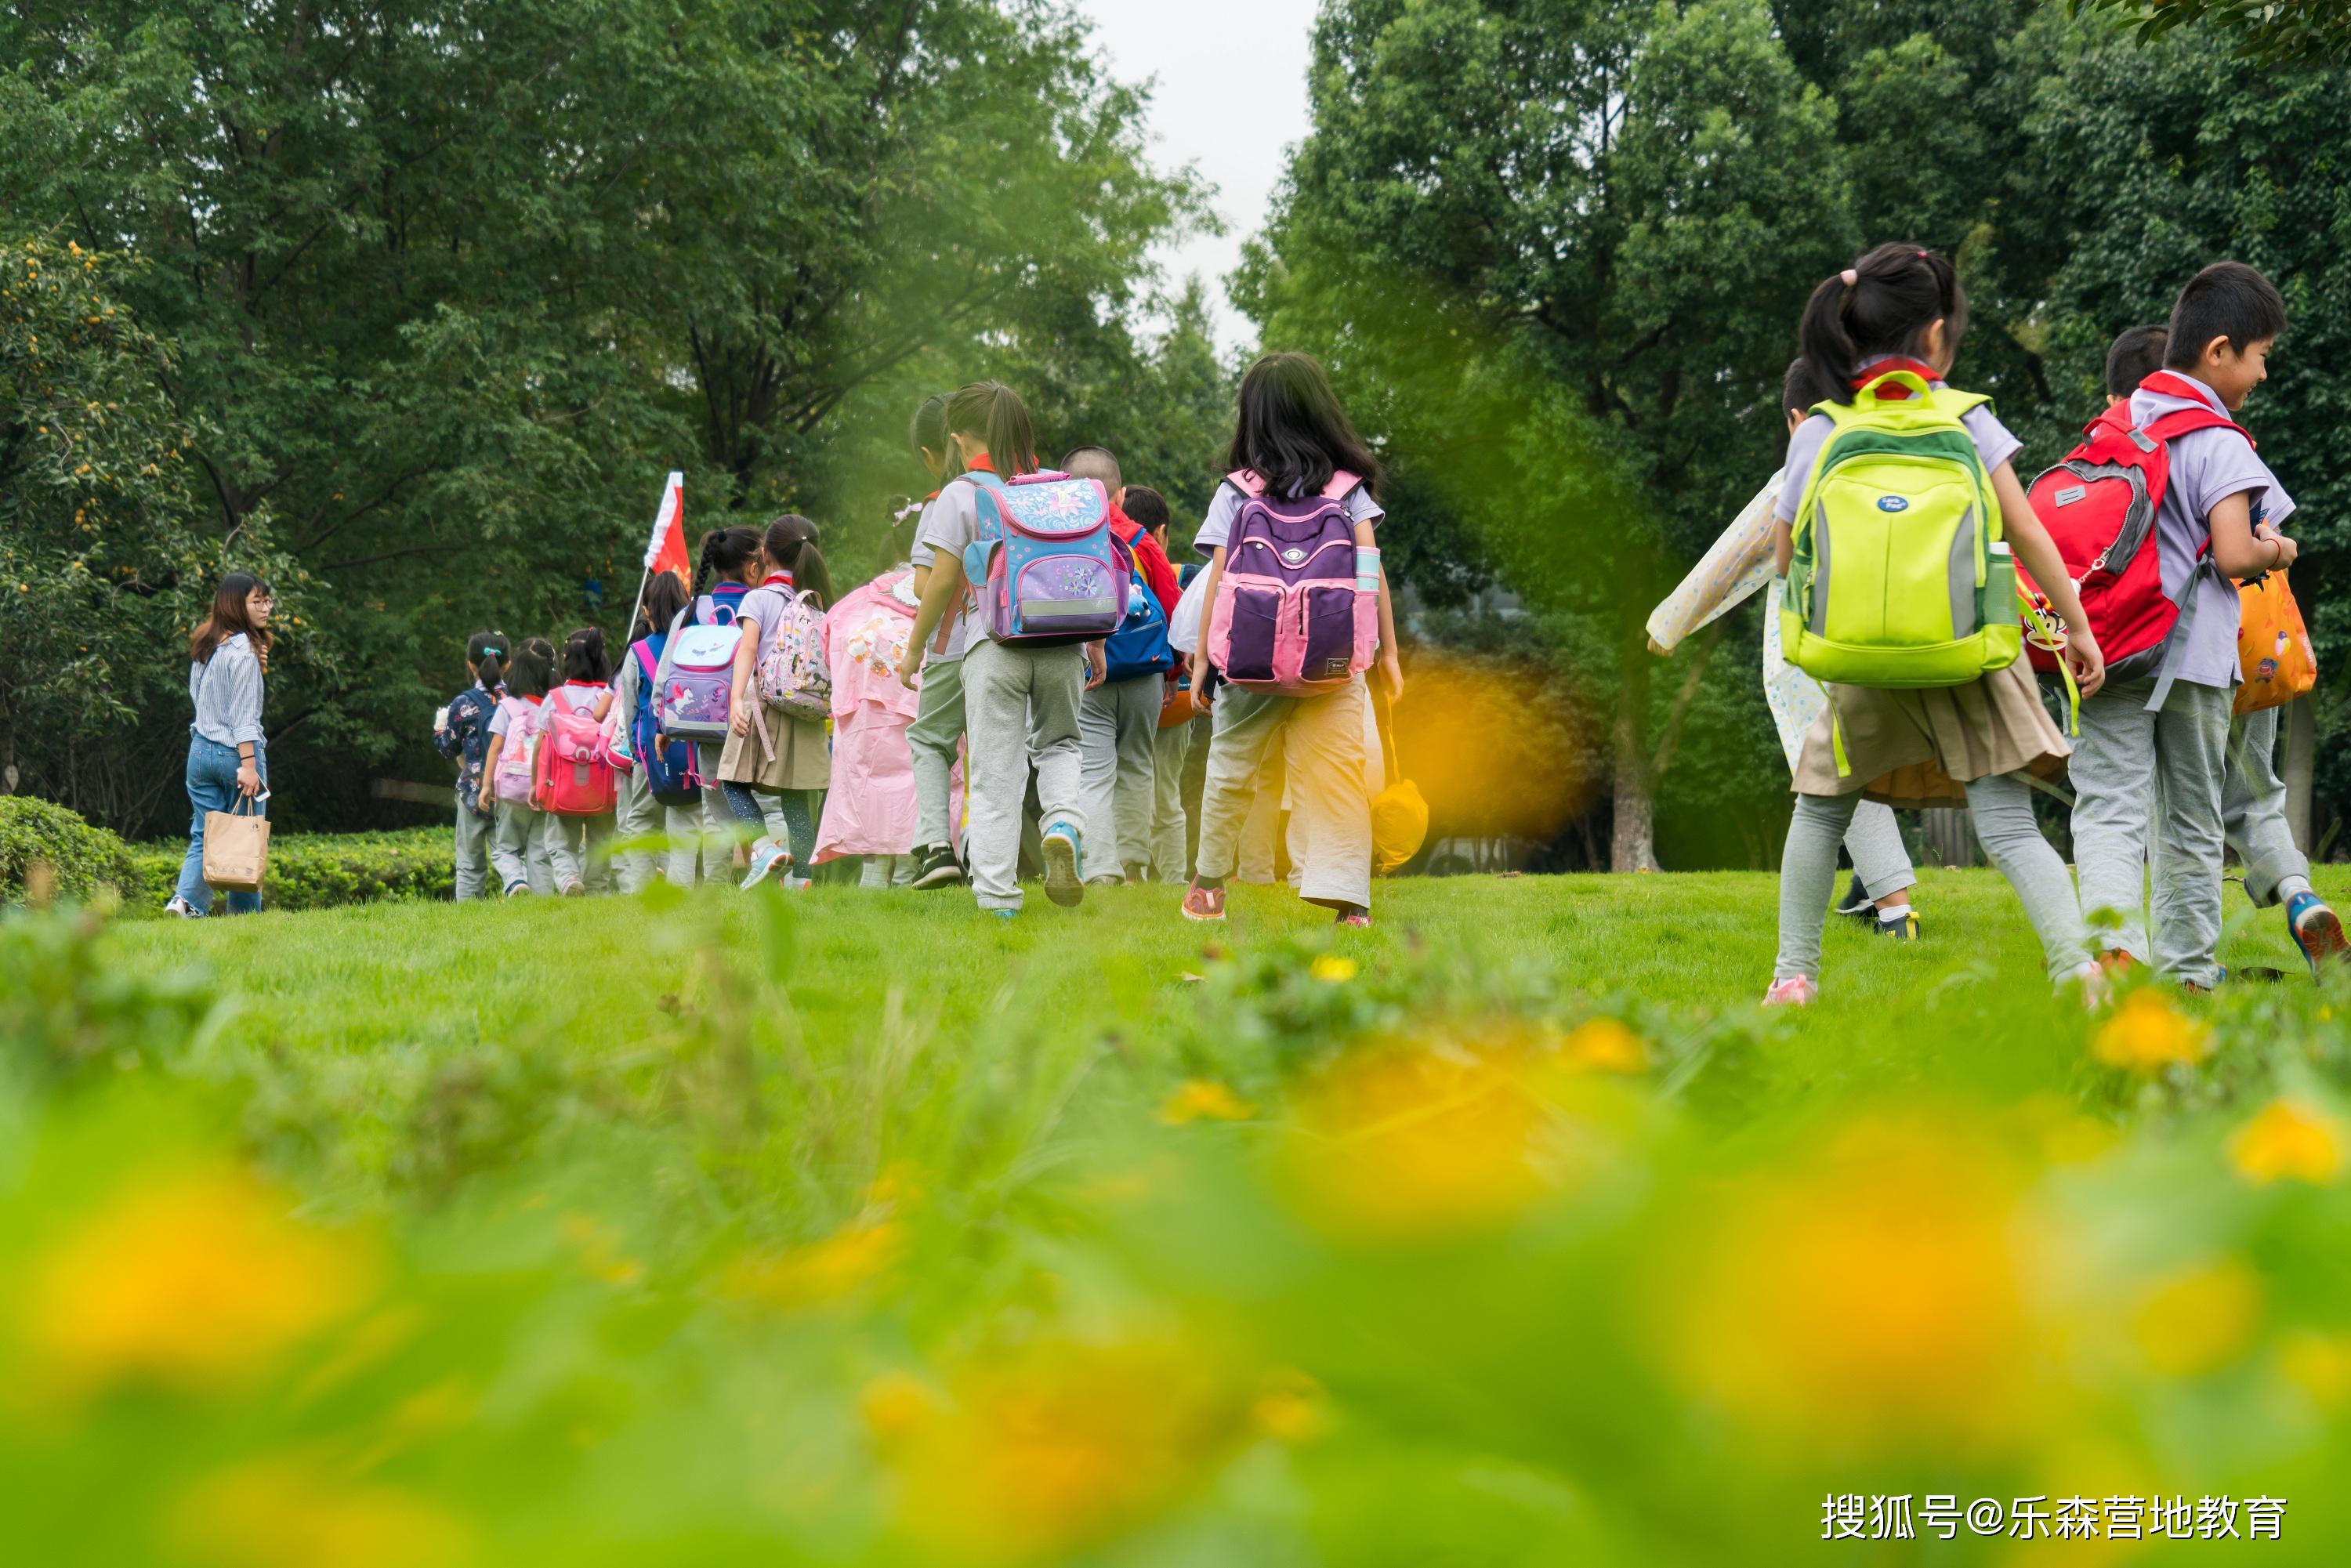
point(935, 866)
point(1857, 902)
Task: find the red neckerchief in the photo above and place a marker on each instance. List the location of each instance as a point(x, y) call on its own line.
point(1897, 394)
point(980, 465)
point(589, 684)
point(774, 578)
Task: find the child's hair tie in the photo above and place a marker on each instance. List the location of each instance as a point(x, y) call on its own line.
point(1849, 276)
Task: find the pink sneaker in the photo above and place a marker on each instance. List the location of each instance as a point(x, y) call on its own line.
point(1795, 991)
point(1204, 903)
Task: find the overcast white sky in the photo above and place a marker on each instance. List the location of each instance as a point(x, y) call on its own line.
point(1231, 98)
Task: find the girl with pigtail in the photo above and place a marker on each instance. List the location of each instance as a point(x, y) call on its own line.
point(775, 767)
point(1899, 313)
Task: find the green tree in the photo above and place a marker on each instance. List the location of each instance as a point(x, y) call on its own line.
point(449, 284)
point(1593, 222)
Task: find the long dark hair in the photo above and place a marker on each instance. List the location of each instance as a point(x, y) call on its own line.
point(532, 671)
point(665, 598)
point(1292, 431)
point(583, 657)
point(1897, 292)
point(791, 544)
point(725, 553)
point(228, 617)
point(486, 652)
point(928, 432)
point(993, 415)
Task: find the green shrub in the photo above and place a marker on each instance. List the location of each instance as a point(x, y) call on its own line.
point(83, 858)
point(323, 871)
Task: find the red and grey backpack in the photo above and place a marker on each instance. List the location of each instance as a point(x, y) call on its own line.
point(2099, 506)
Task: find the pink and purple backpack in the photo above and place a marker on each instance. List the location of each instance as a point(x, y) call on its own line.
point(1289, 618)
point(1046, 567)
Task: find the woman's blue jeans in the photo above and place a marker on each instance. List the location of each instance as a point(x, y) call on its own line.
point(212, 787)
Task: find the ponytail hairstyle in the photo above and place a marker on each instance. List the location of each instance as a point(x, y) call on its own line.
point(1882, 304)
point(532, 671)
point(546, 651)
point(584, 659)
point(1292, 431)
point(928, 433)
point(486, 652)
point(725, 553)
point(664, 600)
point(791, 544)
point(228, 617)
point(991, 415)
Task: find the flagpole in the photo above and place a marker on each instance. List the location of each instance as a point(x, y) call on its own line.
point(670, 487)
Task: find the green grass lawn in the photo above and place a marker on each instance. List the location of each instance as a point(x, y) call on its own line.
point(858, 1227)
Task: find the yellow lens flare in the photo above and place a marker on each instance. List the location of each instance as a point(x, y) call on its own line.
point(2288, 1140)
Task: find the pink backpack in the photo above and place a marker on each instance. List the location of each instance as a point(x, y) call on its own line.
point(513, 778)
point(1289, 618)
point(573, 777)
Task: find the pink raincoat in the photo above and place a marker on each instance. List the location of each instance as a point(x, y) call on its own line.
point(869, 809)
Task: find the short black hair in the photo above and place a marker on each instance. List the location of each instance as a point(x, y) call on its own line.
point(1145, 507)
point(1800, 389)
point(2134, 356)
point(2227, 299)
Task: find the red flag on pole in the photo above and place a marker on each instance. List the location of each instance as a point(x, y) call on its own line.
point(665, 551)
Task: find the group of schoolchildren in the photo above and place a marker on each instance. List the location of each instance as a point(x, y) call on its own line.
point(1936, 635)
point(1032, 669)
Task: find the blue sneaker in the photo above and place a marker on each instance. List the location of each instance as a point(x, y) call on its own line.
point(768, 857)
point(1004, 913)
point(1063, 854)
point(2316, 929)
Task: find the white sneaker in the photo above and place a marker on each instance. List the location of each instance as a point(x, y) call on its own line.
point(182, 908)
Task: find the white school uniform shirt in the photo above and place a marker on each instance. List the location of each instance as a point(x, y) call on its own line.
point(950, 521)
point(1184, 626)
point(2207, 466)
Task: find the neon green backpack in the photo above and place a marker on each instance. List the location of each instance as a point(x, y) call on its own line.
point(1900, 578)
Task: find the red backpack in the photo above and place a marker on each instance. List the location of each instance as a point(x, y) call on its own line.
point(2099, 507)
point(573, 776)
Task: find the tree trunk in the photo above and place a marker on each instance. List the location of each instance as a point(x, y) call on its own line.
point(1632, 839)
point(2297, 760)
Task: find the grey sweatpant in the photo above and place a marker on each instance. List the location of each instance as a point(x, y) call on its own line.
point(1879, 856)
point(1118, 728)
point(1321, 741)
point(473, 854)
point(518, 847)
point(932, 739)
point(2133, 770)
point(1020, 710)
point(2002, 809)
point(2252, 809)
point(1170, 854)
point(579, 849)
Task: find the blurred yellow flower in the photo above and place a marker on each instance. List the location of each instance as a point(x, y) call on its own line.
point(1333, 968)
point(1870, 1290)
point(2288, 1139)
point(841, 1264)
point(1203, 1099)
point(1410, 1141)
point(2147, 1034)
point(895, 1406)
point(2198, 1321)
point(1053, 1449)
point(1292, 1410)
point(194, 1280)
point(2319, 1364)
point(1605, 1045)
point(285, 1514)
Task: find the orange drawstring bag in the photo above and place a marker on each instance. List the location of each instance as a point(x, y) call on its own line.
point(2275, 658)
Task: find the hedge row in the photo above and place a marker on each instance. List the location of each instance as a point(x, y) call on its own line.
point(306, 870)
point(321, 871)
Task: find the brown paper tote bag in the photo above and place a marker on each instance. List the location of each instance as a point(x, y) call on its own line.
point(236, 848)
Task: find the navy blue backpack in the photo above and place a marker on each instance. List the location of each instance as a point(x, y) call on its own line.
point(670, 772)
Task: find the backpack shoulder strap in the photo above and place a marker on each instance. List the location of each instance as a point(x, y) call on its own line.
point(1247, 482)
point(1342, 485)
point(982, 479)
point(2181, 422)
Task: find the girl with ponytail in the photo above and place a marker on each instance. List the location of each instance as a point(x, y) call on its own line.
point(1020, 704)
point(579, 845)
point(462, 732)
point(774, 760)
point(638, 815)
point(936, 735)
point(1900, 310)
point(726, 567)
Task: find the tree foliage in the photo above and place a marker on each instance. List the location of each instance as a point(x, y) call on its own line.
point(444, 286)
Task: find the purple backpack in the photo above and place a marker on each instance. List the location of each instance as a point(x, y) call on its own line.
point(1045, 565)
point(1288, 617)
